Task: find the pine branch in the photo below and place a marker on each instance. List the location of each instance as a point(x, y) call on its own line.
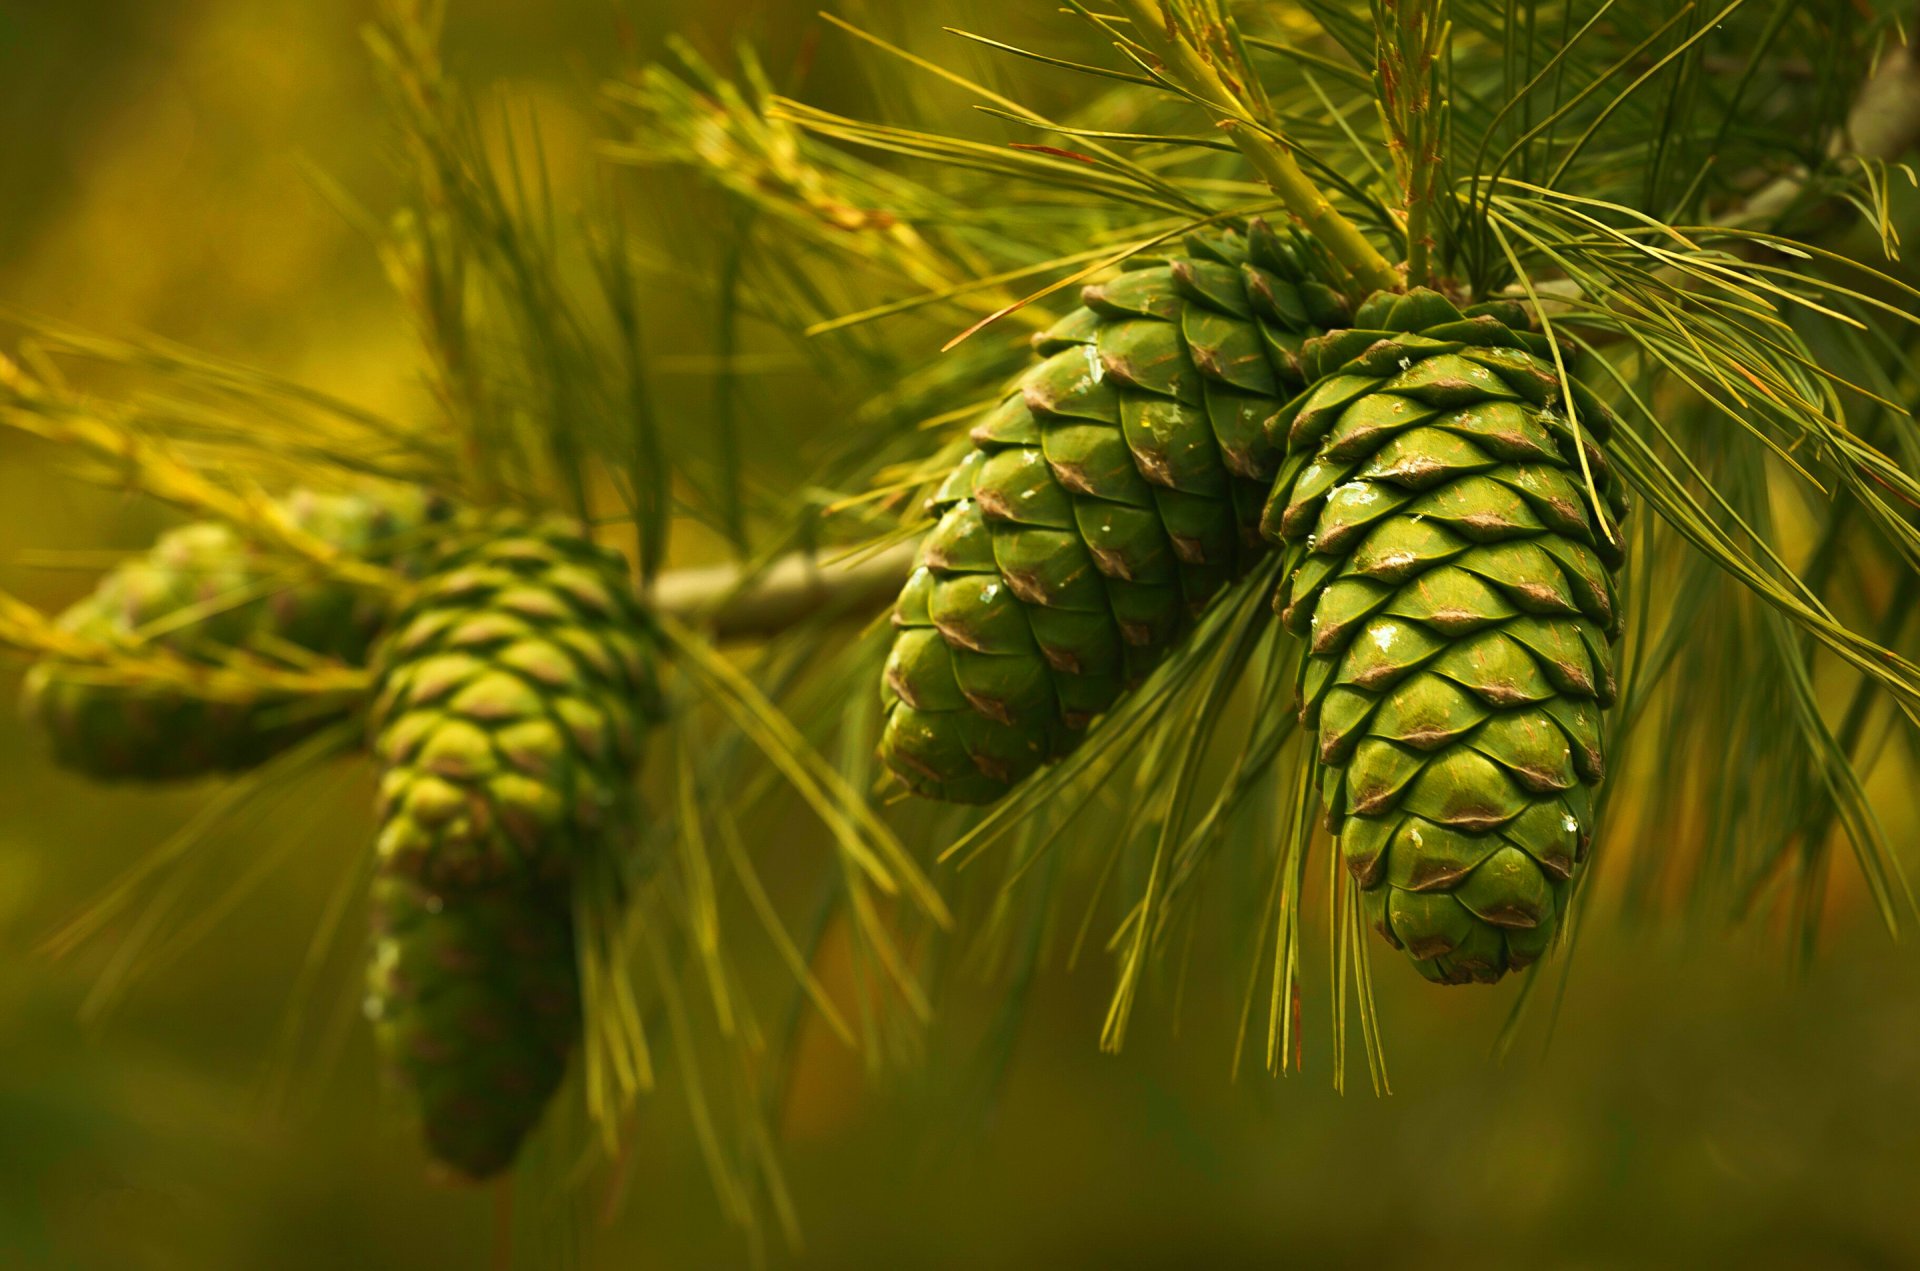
point(1883, 124)
point(1410, 46)
point(736, 604)
point(1191, 71)
point(733, 603)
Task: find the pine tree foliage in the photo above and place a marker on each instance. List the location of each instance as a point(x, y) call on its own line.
point(1682, 218)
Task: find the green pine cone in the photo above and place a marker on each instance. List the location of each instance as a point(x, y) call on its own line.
point(509, 701)
point(475, 1003)
point(1454, 579)
point(1112, 493)
point(202, 591)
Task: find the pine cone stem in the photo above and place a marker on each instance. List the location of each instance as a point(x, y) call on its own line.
point(1268, 153)
point(733, 602)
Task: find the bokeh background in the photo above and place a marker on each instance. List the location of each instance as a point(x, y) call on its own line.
point(1698, 1102)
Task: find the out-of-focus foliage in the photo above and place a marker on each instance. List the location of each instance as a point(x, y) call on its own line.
point(1692, 1110)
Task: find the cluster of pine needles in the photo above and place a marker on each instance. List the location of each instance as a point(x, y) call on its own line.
point(1698, 202)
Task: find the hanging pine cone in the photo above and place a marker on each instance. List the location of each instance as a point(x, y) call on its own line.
point(509, 705)
point(1448, 563)
point(202, 592)
point(475, 1004)
point(1112, 493)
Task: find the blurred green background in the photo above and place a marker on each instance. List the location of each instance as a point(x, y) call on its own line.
point(1697, 1104)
